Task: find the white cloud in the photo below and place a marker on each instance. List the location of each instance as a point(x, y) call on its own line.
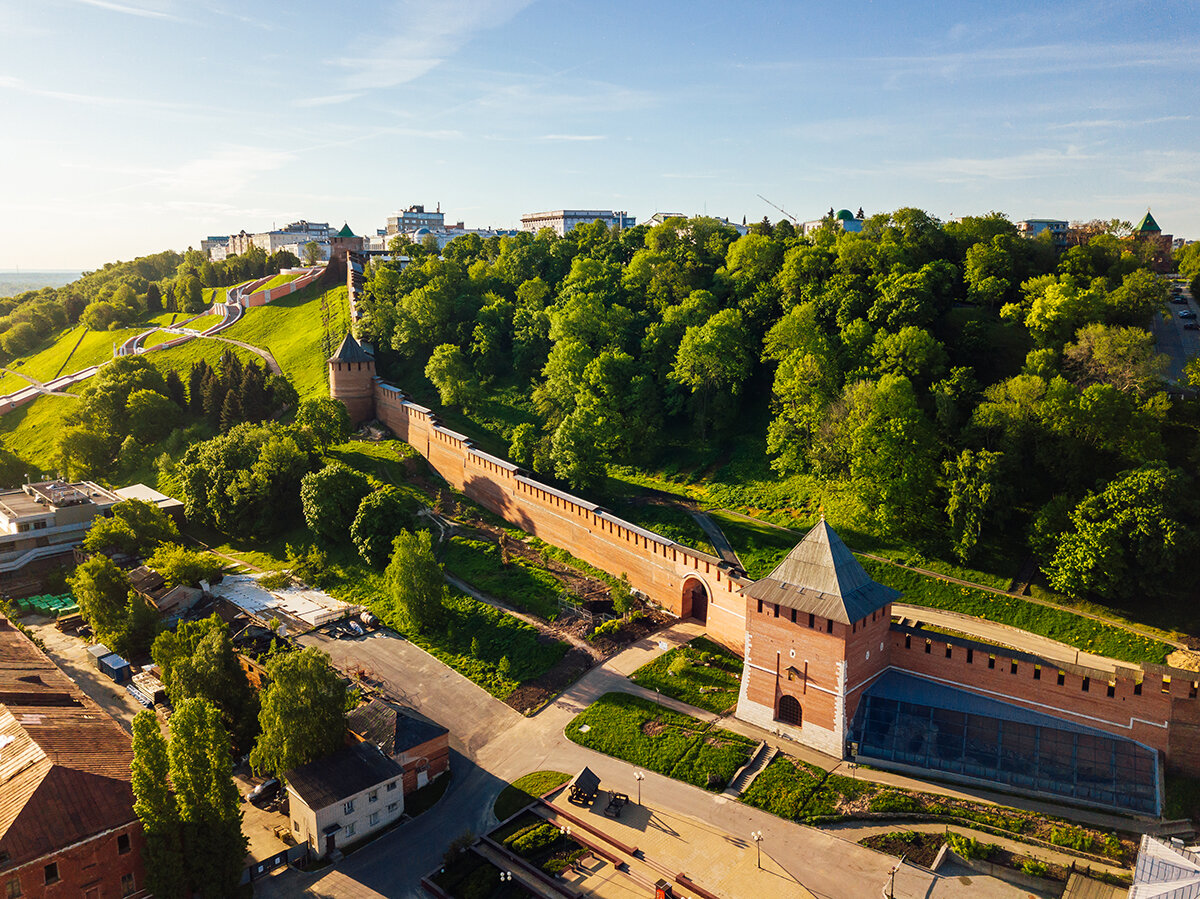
point(146, 12)
point(424, 35)
point(572, 137)
point(327, 100)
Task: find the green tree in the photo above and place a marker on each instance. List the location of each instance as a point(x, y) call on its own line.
point(414, 582)
point(312, 253)
point(303, 715)
point(197, 660)
point(622, 595)
point(330, 499)
point(180, 565)
point(1128, 540)
point(327, 419)
point(380, 518)
point(136, 528)
point(713, 357)
point(450, 372)
point(578, 457)
point(210, 815)
point(975, 490)
point(102, 591)
point(1126, 358)
point(154, 804)
point(151, 415)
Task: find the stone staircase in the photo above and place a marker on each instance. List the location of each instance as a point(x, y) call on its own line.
point(763, 754)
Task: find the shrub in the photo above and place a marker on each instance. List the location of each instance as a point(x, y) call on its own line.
point(275, 580)
point(969, 847)
point(890, 801)
point(480, 884)
point(1075, 837)
point(1033, 867)
point(607, 629)
point(535, 840)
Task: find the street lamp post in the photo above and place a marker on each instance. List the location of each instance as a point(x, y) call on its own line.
point(757, 837)
point(639, 777)
point(892, 876)
point(565, 831)
point(505, 876)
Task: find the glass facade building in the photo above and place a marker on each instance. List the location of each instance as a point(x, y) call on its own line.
point(907, 720)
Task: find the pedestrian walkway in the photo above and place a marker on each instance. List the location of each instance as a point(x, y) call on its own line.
point(717, 538)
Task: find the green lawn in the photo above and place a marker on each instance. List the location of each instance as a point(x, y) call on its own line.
point(645, 734)
point(759, 546)
point(701, 673)
point(1064, 626)
point(96, 347)
point(281, 279)
point(180, 358)
point(31, 432)
point(524, 790)
point(291, 328)
point(519, 583)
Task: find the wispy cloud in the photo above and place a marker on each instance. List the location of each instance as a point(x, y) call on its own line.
point(327, 100)
point(10, 82)
point(424, 34)
point(145, 12)
point(573, 137)
point(1117, 123)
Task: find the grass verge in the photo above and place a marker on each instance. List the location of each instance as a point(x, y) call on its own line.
point(702, 673)
point(519, 583)
point(646, 734)
point(524, 790)
point(1057, 624)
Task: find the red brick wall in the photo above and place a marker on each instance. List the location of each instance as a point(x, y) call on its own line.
point(656, 566)
point(434, 756)
point(93, 865)
point(354, 384)
point(1140, 716)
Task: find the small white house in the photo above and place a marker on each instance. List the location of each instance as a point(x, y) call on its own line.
point(340, 799)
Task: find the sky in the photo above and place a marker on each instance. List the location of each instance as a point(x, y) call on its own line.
point(132, 126)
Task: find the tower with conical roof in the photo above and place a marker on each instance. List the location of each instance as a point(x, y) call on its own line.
point(352, 379)
point(817, 633)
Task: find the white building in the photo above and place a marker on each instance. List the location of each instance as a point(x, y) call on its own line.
point(563, 220)
point(659, 217)
point(415, 217)
point(843, 218)
point(340, 799)
point(1034, 227)
point(295, 234)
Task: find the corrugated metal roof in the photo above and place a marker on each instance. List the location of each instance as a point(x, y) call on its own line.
point(821, 576)
point(392, 729)
point(1165, 872)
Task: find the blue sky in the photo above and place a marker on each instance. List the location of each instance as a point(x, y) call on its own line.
point(131, 126)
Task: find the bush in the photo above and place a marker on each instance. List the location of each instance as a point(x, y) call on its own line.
point(1033, 867)
point(1075, 837)
point(535, 840)
point(890, 801)
point(969, 847)
point(480, 884)
point(607, 629)
point(275, 580)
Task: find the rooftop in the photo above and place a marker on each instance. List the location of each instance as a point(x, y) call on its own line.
point(1147, 224)
point(391, 728)
point(349, 771)
point(64, 763)
point(821, 576)
point(350, 351)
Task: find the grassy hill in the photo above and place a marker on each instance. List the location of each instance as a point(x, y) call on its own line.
point(293, 330)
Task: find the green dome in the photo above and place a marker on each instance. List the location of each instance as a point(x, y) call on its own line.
point(844, 215)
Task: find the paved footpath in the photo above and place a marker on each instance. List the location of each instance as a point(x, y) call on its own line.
point(493, 745)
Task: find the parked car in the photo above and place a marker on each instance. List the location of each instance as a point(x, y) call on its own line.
point(356, 629)
point(1187, 313)
point(1178, 300)
point(263, 793)
point(1191, 326)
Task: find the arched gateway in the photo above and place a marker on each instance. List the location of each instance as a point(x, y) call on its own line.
point(695, 600)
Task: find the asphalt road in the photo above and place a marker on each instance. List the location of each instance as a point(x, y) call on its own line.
point(1178, 344)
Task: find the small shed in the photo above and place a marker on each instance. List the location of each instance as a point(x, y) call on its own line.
point(583, 787)
point(98, 652)
point(116, 668)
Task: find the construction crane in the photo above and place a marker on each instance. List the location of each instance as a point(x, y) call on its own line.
point(780, 208)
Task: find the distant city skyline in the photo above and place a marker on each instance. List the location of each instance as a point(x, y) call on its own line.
point(135, 126)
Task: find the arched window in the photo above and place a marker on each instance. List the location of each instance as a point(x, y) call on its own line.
point(789, 710)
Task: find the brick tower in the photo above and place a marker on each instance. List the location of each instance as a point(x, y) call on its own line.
point(817, 633)
point(352, 380)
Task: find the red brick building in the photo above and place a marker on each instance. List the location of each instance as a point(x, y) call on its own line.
point(67, 826)
point(420, 746)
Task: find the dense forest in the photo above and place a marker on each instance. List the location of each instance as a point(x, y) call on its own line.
point(966, 384)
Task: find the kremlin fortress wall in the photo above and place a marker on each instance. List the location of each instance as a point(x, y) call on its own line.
point(806, 675)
